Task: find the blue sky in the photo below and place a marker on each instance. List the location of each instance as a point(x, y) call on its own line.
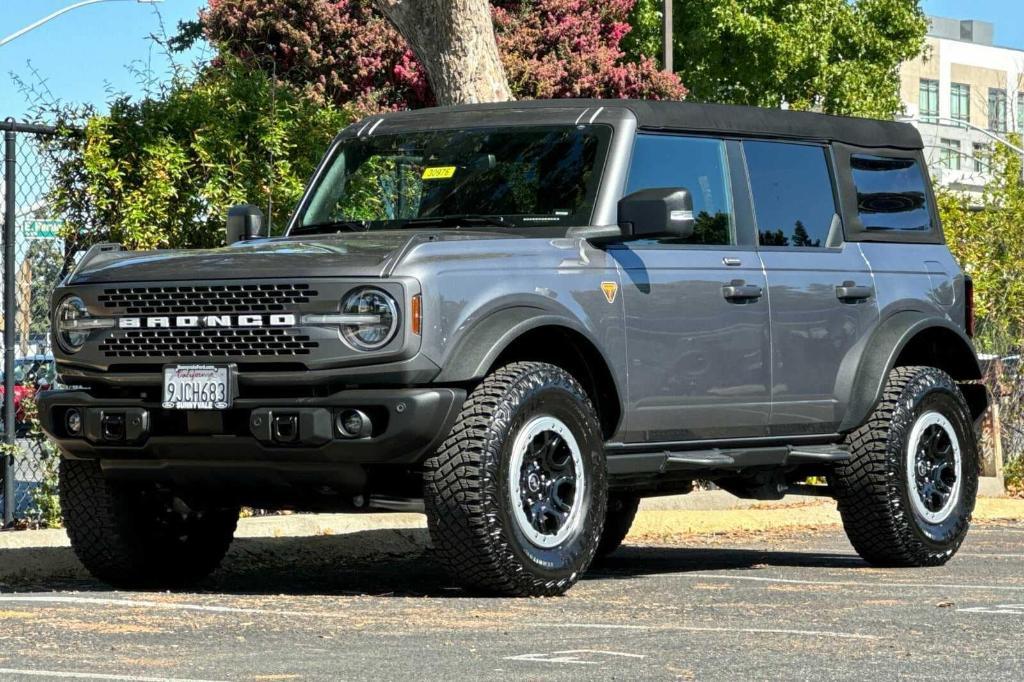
point(87, 53)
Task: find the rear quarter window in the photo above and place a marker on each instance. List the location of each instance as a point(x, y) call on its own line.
point(891, 193)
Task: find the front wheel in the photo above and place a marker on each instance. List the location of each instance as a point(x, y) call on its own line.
point(908, 490)
point(136, 535)
point(515, 497)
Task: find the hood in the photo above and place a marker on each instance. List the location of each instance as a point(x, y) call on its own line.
point(363, 254)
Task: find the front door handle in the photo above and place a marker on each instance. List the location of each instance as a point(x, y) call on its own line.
point(738, 291)
point(850, 292)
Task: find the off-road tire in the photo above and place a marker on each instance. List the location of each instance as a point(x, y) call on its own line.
point(872, 486)
point(135, 536)
point(617, 521)
point(468, 504)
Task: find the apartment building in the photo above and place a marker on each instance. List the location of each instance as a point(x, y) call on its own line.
point(963, 89)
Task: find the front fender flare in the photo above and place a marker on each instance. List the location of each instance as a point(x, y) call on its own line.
point(480, 345)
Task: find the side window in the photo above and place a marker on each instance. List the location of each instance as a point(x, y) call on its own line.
point(891, 193)
point(792, 192)
point(697, 164)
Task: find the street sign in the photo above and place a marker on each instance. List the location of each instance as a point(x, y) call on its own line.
point(43, 229)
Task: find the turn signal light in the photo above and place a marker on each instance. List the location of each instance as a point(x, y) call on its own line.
point(416, 314)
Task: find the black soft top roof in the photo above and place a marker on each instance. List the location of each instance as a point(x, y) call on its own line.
point(724, 119)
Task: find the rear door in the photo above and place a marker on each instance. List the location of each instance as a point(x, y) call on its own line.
point(820, 288)
point(696, 308)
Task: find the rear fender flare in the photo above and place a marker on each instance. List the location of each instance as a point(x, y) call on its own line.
point(864, 371)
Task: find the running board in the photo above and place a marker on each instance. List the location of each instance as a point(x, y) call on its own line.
point(716, 459)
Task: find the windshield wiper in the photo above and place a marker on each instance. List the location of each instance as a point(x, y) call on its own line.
point(352, 225)
point(457, 220)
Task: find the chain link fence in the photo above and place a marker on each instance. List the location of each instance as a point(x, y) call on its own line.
point(34, 261)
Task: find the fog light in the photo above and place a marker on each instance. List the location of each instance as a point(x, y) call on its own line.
point(353, 424)
point(73, 422)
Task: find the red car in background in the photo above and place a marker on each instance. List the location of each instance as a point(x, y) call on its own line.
point(31, 373)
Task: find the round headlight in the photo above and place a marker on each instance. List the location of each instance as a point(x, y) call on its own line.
point(380, 319)
point(71, 334)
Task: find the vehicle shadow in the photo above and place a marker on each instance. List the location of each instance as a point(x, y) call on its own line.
point(378, 563)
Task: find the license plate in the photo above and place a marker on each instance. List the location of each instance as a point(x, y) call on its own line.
point(197, 387)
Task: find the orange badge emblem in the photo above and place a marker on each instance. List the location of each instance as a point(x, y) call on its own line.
point(610, 289)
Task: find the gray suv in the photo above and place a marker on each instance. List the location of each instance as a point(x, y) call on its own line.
point(526, 317)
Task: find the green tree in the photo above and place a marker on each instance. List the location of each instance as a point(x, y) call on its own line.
point(162, 171)
point(46, 259)
point(987, 236)
point(839, 56)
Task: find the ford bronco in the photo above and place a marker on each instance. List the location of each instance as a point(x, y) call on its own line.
point(523, 318)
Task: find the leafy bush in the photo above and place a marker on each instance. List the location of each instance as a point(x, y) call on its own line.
point(986, 235)
point(162, 171)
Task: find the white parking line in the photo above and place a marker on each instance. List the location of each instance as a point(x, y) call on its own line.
point(148, 604)
point(574, 656)
point(63, 674)
point(1000, 609)
point(697, 628)
point(990, 555)
point(847, 583)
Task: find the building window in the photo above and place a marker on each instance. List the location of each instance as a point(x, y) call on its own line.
point(997, 110)
point(960, 102)
point(949, 155)
point(928, 105)
point(1020, 112)
point(982, 157)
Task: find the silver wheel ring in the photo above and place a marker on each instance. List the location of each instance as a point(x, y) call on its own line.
point(923, 422)
point(527, 433)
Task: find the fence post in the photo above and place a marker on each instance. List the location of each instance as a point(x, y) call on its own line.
point(10, 327)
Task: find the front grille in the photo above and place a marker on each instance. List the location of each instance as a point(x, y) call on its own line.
point(205, 298)
point(187, 343)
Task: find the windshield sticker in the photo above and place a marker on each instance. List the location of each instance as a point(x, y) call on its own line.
point(438, 172)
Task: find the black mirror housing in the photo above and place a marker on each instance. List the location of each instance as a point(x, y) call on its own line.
point(245, 221)
point(657, 212)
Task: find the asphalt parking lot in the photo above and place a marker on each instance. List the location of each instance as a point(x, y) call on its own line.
point(782, 605)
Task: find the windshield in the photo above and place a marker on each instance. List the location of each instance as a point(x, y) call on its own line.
point(506, 177)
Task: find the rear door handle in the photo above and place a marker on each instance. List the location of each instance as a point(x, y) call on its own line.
point(738, 291)
point(852, 292)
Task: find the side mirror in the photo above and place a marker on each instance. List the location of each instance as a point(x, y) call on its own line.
point(245, 222)
point(657, 212)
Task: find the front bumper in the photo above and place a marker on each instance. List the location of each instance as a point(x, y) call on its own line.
point(408, 424)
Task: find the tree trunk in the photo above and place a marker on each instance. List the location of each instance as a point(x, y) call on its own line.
point(454, 39)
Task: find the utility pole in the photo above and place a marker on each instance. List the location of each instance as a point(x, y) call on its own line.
point(666, 38)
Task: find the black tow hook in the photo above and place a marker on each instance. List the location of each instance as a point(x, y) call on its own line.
point(284, 428)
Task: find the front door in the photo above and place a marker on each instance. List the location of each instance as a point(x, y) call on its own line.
point(820, 288)
point(696, 308)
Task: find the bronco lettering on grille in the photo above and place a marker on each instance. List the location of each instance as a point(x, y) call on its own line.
point(213, 321)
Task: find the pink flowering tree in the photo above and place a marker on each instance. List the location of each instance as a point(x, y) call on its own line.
point(346, 52)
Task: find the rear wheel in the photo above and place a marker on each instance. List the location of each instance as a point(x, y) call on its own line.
point(907, 493)
point(515, 497)
point(137, 535)
point(621, 512)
